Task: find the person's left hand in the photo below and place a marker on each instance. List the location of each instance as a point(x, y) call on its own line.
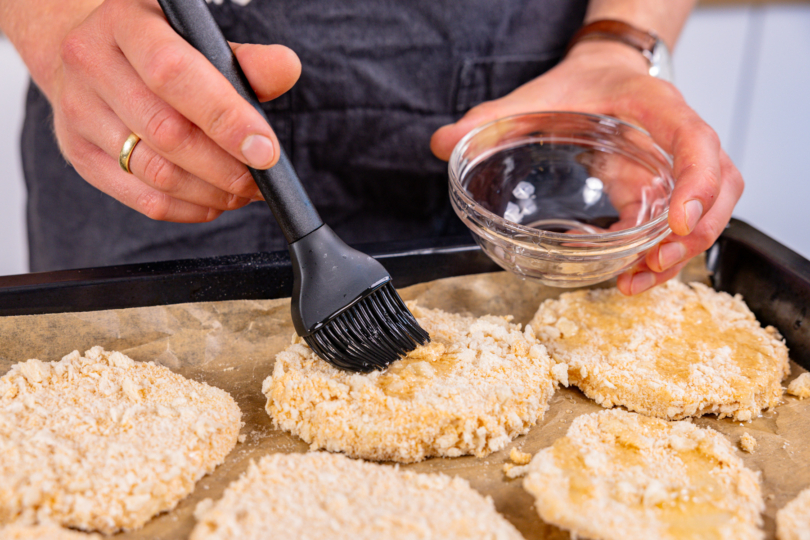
point(611, 78)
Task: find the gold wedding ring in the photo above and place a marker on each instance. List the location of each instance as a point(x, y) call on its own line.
point(126, 151)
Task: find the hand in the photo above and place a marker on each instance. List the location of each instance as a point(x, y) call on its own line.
point(123, 69)
point(609, 78)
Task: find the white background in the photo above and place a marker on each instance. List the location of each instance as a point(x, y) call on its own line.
point(746, 70)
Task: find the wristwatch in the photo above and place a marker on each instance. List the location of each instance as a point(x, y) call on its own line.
point(647, 43)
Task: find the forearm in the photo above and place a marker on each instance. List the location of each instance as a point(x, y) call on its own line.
point(664, 17)
point(37, 28)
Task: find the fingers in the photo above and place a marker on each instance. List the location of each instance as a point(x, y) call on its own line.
point(183, 78)
point(445, 138)
point(168, 132)
point(270, 69)
point(694, 145)
point(676, 249)
point(103, 172)
point(153, 169)
point(668, 258)
point(196, 131)
point(641, 278)
point(697, 173)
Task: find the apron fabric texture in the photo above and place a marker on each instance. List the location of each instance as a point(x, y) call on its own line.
point(379, 77)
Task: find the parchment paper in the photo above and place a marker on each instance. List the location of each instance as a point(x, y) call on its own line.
point(232, 345)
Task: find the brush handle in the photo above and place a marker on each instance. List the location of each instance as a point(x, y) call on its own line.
point(280, 185)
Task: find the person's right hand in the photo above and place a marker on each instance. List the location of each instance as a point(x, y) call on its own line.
point(124, 70)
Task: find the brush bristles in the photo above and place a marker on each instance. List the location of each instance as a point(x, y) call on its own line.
point(371, 334)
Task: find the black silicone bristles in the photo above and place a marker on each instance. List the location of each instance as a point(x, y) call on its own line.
point(369, 335)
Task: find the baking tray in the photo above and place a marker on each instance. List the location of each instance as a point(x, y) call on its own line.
point(774, 280)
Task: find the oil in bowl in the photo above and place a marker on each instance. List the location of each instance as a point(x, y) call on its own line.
point(569, 199)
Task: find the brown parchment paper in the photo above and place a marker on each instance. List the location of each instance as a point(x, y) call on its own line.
point(232, 345)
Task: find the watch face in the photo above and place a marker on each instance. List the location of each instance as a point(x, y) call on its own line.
point(661, 62)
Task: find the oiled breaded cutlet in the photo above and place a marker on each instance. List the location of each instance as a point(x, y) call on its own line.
point(672, 352)
point(618, 475)
point(480, 383)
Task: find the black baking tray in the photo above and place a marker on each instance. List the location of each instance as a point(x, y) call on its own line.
point(774, 280)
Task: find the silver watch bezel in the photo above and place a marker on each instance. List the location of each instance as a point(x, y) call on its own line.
point(660, 61)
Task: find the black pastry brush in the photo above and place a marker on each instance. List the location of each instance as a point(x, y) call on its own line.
point(343, 303)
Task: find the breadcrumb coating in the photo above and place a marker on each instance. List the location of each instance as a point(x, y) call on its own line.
point(519, 458)
point(793, 521)
point(800, 386)
point(476, 386)
point(515, 471)
point(43, 532)
point(101, 442)
point(619, 475)
point(748, 443)
point(672, 352)
point(331, 497)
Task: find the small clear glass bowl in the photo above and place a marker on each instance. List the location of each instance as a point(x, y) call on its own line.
point(569, 199)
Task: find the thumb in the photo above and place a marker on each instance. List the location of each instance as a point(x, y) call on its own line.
point(271, 69)
point(446, 138)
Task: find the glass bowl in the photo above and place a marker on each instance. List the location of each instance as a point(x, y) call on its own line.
point(569, 199)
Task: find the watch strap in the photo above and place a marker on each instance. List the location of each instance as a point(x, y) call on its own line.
point(614, 30)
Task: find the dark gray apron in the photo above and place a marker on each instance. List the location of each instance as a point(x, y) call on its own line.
point(379, 77)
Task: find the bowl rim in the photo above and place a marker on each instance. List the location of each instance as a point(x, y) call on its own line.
point(460, 191)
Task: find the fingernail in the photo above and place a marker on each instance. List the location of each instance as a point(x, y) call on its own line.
point(671, 254)
point(258, 151)
point(694, 211)
point(641, 282)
